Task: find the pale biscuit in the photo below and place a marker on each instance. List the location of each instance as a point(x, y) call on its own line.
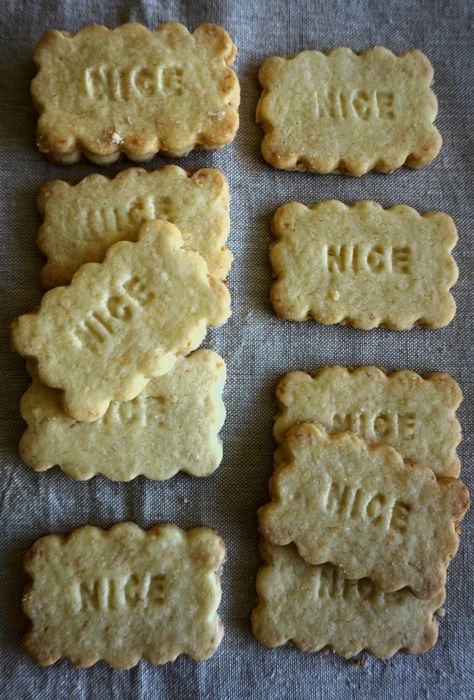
point(102, 92)
point(363, 265)
point(314, 608)
point(415, 415)
point(124, 595)
point(361, 508)
point(172, 425)
point(82, 221)
point(122, 322)
point(348, 112)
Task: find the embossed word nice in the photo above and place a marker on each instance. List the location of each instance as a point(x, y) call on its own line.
point(354, 104)
point(109, 219)
point(328, 585)
point(360, 257)
point(388, 425)
point(138, 411)
point(125, 592)
point(112, 83)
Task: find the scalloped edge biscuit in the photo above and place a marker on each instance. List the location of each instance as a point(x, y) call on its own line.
point(363, 265)
point(323, 112)
point(79, 72)
point(359, 506)
point(356, 398)
point(314, 608)
point(81, 221)
point(173, 425)
point(102, 595)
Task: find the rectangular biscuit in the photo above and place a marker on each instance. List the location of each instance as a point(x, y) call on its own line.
point(348, 112)
point(363, 265)
point(314, 608)
point(415, 415)
point(124, 595)
point(361, 508)
point(102, 92)
point(82, 221)
point(172, 425)
point(123, 321)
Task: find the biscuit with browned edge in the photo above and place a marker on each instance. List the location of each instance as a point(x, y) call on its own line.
point(122, 322)
point(348, 112)
point(124, 595)
point(358, 506)
point(102, 92)
point(82, 221)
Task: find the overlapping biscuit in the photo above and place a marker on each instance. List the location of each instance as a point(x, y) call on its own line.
point(415, 415)
point(122, 322)
point(361, 508)
point(82, 221)
point(172, 425)
point(102, 92)
point(314, 608)
point(348, 112)
point(123, 595)
point(363, 265)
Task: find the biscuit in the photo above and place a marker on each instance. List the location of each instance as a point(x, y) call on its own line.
point(124, 595)
point(314, 608)
point(363, 265)
point(122, 322)
point(360, 507)
point(172, 425)
point(348, 112)
point(102, 92)
point(415, 415)
point(82, 221)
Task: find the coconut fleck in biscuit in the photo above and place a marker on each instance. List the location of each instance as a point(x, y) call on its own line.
point(172, 425)
point(82, 221)
point(124, 595)
point(122, 322)
point(363, 265)
point(348, 112)
point(415, 415)
point(102, 92)
point(314, 608)
point(361, 508)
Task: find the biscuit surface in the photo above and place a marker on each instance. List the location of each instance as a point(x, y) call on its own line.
point(415, 415)
point(173, 425)
point(103, 92)
point(122, 322)
point(314, 608)
point(82, 221)
point(361, 508)
point(123, 595)
point(348, 112)
point(363, 265)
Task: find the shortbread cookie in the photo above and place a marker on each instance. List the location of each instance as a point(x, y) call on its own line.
point(314, 608)
point(415, 415)
point(363, 265)
point(102, 92)
point(348, 112)
point(122, 322)
point(81, 222)
point(124, 595)
point(361, 508)
point(172, 425)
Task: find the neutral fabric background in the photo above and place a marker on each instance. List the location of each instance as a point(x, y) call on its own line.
point(257, 347)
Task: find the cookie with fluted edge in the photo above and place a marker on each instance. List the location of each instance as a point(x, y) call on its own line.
point(123, 595)
point(363, 265)
point(348, 112)
point(102, 92)
point(358, 506)
point(172, 425)
point(82, 221)
point(315, 608)
point(414, 414)
point(122, 322)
